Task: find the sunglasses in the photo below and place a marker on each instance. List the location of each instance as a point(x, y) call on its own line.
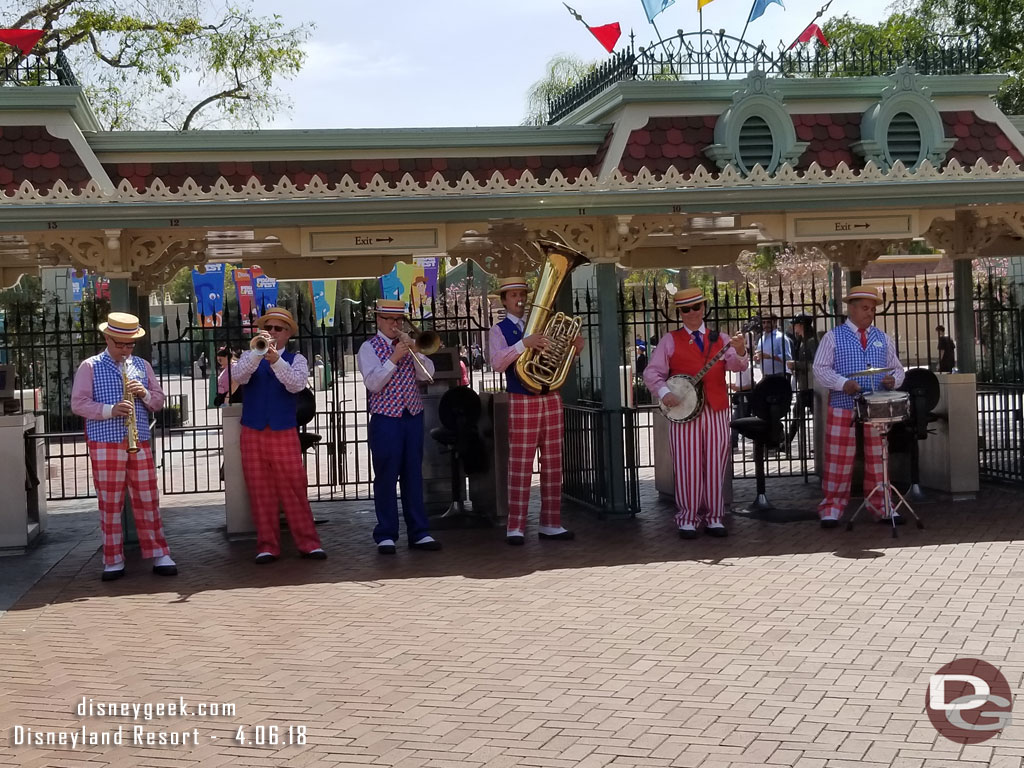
point(275, 328)
point(692, 308)
point(124, 344)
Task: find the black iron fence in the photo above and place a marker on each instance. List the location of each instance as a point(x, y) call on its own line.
point(715, 55)
point(54, 69)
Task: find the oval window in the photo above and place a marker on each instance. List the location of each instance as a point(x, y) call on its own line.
point(903, 140)
point(756, 144)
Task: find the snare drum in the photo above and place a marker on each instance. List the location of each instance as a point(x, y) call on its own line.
point(883, 407)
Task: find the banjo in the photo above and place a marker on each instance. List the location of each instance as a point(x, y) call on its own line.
point(690, 389)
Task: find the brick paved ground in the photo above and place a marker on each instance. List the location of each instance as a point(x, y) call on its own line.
point(783, 645)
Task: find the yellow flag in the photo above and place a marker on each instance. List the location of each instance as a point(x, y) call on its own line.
point(702, 3)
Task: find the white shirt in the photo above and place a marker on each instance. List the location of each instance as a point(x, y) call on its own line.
point(377, 374)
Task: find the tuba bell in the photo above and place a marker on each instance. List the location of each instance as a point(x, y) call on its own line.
point(543, 372)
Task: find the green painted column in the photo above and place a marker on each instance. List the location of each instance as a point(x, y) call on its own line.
point(611, 386)
point(963, 316)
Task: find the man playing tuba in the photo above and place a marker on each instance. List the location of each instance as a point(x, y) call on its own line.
point(534, 420)
point(112, 391)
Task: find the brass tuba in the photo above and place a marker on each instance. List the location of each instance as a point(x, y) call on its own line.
point(543, 372)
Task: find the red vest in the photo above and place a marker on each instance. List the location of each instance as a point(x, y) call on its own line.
point(688, 359)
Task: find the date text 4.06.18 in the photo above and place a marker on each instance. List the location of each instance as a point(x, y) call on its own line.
point(271, 735)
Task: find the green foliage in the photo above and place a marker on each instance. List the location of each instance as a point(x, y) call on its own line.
point(137, 58)
point(562, 73)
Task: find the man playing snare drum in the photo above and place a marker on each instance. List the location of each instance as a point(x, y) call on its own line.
point(700, 447)
point(856, 345)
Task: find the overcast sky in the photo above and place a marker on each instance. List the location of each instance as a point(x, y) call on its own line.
point(400, 63)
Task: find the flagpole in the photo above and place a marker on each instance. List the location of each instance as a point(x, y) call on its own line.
point(743, 34)
point(818, 15)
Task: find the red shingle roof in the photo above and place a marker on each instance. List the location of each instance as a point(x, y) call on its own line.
point(978, 139)
point(30, 153)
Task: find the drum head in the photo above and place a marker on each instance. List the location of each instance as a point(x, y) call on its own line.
point(886, 397)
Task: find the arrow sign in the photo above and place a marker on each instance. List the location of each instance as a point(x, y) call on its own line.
point(810, 228)
point(385, 239)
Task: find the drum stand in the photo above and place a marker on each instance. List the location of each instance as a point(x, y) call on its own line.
point(888, 510)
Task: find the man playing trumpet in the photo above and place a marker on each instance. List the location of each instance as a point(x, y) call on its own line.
point(390, 365)
point(271, 453)
point(114, 391)
point(534, 421)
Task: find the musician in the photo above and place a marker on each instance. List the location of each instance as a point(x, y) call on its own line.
point(271, 454)
point(100, 396)
point(700, 448)
point(534, 421)
point(396, 428)
point(853, 346)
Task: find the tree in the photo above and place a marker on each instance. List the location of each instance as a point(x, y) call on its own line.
point(563, 72)
point(996, 24)
point(168, 63)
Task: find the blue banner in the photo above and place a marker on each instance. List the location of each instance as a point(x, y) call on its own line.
point(209, 292)
point(77, 284)
point(758, 8)
point(265, 293)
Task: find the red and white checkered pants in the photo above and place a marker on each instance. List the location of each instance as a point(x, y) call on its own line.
point(274, 474)
point(534, 421)
point(113, 468)
point(840, 449)
point(700, 453)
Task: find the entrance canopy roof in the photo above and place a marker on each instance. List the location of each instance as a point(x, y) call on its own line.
point(651, 174)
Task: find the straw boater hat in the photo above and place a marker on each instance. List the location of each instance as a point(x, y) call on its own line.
point(863, 292)
point(688, 296)
point(280, 315)
point(121, 326)
point(390, 307)
point(512, 283)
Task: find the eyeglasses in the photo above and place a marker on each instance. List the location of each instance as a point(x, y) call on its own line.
point(693, 308)
point(123, 344)
point(275, 328)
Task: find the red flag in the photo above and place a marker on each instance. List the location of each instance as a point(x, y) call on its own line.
point(23, 39)
point(812, 31)
point(607, 35)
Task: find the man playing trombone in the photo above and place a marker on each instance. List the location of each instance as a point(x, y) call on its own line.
point(271, 453)
point(390, 365)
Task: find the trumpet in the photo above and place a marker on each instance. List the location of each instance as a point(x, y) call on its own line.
point(423, 343)
point(259, 345)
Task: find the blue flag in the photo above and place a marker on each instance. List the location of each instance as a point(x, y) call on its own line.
point(654, 7)
point(758, 8)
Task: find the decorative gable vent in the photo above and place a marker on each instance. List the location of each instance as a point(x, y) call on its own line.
point(903, 125)
point(755, 130)
point(903, 141)
point(756, 145)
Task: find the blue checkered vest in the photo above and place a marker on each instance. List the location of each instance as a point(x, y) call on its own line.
point(108, 388)
point(850, 357)
point(266, 403)
point(400, 393)
point(513, 335)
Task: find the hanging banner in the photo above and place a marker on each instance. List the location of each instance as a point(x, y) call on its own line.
point(209, 293)
point(265, 292)
point(415, 284)
point(77, 284)
point(245, 291)
point(324, 296)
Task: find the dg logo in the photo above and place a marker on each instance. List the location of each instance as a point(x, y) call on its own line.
point(969, 701)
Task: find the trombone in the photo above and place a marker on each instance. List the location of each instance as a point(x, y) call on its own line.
point(422, 342)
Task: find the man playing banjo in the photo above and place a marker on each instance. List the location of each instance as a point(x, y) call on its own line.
point(856, 345)
point(700, 444)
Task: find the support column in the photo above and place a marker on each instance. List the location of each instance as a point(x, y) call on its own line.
point(611, 388)
point(854, 277)
point(963, 316)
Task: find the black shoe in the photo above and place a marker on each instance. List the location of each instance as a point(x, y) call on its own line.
point(430, 546)
point(515, 541)
point(386, 549)
point(264, 557)
point(165, 570)
point(718, 533)
point(828, 522)
point(687, 534)
point(112, 575)
point(316, 554)
point(563, 536)
point(900, 520)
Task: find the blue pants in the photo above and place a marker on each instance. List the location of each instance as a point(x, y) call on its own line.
point(396, 448)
